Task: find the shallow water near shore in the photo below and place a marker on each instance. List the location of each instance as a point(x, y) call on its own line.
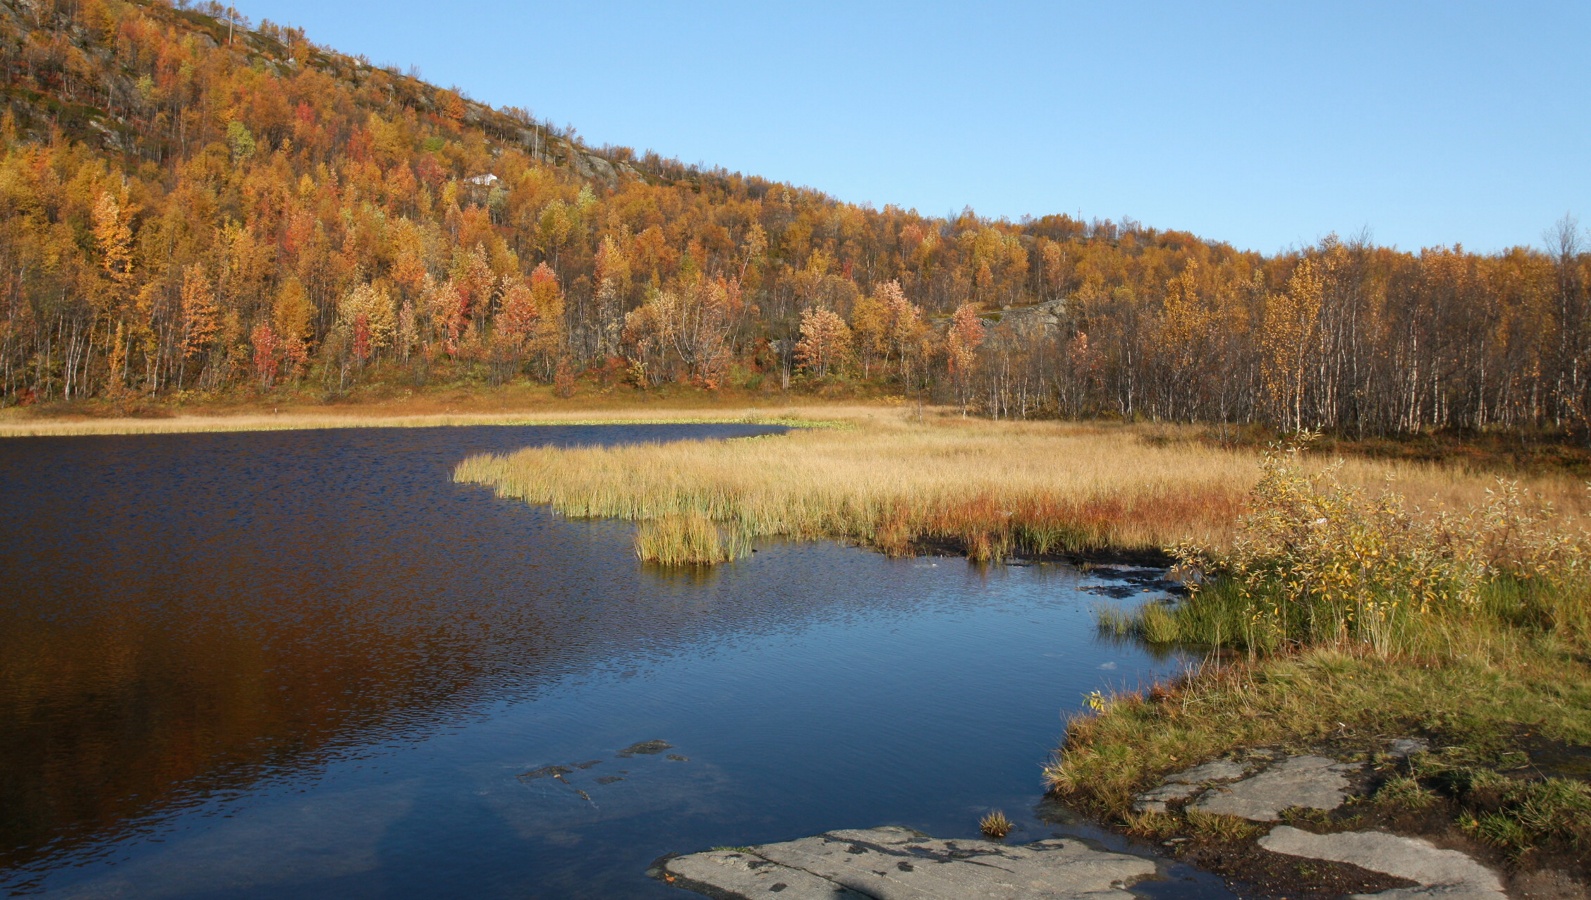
point(308, 664)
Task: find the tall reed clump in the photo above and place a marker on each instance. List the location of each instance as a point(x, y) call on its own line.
point(688, 539)
point(1317, 561)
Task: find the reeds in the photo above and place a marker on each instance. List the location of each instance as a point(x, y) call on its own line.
point(989, 490)
point(688, 539)
point(985, 489)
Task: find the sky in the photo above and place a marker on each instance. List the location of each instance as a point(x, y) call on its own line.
point(1265, 125)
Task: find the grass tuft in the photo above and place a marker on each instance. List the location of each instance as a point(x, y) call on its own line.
point(995, 825)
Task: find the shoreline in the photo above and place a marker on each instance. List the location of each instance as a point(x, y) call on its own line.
point(1225, 691)
point(1339, 698)
point(383, 416)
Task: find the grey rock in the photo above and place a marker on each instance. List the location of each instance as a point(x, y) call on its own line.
point(1155, 799)
point(1440, 873)
point(734, 873)
point(1312, 782)
point(894, 863)
point(1434, 892)
point(1184, 784)
point(1403, 748)
point(1214, 770)
point(601, 169)
point(1039, 317)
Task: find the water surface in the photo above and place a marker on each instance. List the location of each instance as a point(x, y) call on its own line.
point(307, 664)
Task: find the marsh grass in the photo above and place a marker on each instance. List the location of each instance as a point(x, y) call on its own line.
point(688, 539)
point(1315, 560)
point(989, 490)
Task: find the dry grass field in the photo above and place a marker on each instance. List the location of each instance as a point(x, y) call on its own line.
point(384, 417)
point(896, 482)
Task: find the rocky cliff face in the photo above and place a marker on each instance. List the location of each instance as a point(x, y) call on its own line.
point(1048, 314)
point(64, 70)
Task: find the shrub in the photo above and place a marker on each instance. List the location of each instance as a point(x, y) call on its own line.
point(1318, 561)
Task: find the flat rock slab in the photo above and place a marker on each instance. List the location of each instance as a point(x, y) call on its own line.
point(1184, 784)
point(894, 863)
point(1311, 782)
point(1214, 770)
point(1440, 873)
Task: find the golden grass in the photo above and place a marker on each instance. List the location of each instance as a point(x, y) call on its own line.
point(375, 417)
point(892, 482)
point(685, 540)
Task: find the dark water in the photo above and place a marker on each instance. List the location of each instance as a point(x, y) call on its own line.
point(307, 664)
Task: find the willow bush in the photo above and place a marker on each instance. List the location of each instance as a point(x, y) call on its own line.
point(1316, 560)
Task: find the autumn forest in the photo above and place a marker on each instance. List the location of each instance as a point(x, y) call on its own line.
point(193, 204)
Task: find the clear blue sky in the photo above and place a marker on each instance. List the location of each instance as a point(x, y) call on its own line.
point(1263, 124)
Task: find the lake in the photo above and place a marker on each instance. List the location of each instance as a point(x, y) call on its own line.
point(307, 664)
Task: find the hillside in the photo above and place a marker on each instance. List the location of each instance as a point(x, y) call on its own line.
point(191, 203)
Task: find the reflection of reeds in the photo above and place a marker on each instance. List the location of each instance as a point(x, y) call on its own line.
point(988, 489)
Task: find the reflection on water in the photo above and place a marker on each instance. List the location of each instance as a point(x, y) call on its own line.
point(308, 663)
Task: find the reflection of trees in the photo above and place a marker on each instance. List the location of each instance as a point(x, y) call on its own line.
point(182, 615)
point(104, 716)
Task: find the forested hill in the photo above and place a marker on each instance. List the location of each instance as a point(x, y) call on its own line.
point(192, 202)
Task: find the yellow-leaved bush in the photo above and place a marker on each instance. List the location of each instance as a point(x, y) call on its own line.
point(1315, 560)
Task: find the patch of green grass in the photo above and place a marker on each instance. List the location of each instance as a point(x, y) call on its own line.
point(1479, 700)
point(1516, 814)
point(1215, 827)
point(1405, 793)
point(1155, 623)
